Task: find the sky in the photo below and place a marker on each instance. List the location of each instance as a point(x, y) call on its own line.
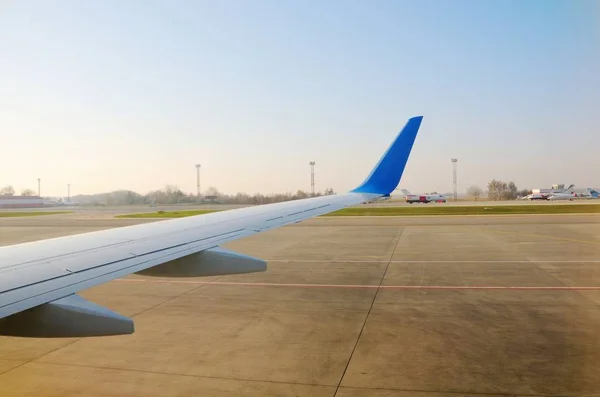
point(107, 95)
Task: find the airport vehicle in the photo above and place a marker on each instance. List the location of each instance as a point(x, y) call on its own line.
point(39, 280)
point(423, 198)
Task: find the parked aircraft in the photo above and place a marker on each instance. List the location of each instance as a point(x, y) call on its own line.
point(593, 194)
point(590, 194)
point(423, 198)
point(546, 195)
point(39, 280)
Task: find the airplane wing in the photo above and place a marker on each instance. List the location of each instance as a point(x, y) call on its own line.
point(39, 280)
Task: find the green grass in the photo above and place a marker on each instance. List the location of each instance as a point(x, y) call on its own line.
point(15, 214)
point(417, 210)
point(167, 214)
point(433, 209)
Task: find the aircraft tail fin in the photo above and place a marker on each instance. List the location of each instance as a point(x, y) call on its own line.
point(406, 192)
point(387, 173)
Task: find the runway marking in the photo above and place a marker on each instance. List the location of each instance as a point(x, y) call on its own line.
point(427, 261)
point(545, 236)
point(365, 286)
point(402, 217)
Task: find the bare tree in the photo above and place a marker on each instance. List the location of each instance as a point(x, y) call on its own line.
point(300, 195)
point(171, 194)
point(172, 191)
point(475, 192)
point(512, 191)
point(496, 189)
point(212, 192)
point(500, 190)
point(28, 192)
point(524, 192)
point(7, 191)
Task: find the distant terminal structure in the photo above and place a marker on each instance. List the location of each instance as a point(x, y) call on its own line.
point(559, 188)
point(21, 202)
point(555, 188)
point(559, 192)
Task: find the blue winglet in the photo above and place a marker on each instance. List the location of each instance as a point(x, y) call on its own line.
point(387, 173)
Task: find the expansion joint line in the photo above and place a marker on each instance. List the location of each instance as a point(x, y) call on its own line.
point(389, 262)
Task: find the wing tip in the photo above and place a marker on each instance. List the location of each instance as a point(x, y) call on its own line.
point(385, 177)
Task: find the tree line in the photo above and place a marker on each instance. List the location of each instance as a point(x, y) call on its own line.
point(171, 194)
point(10, 191)
point(498, 191)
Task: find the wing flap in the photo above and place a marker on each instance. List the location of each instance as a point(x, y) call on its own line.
point(17, 277)
point(29, 254)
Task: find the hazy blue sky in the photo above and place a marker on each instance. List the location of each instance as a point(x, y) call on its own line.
point(112, 95)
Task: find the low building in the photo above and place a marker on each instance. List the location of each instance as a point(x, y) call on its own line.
point(21, 202)
point(557, 188)
point(542, 191)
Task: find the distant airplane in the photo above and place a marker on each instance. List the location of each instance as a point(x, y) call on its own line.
point(423, 198)
point(590, 194)
point(593, 194)
point(39, 280)
point(546, 195)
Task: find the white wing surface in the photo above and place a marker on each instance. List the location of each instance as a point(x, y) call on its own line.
point(39, 280)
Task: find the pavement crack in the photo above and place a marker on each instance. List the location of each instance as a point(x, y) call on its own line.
point(389, 262)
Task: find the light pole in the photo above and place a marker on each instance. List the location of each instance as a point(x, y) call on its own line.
point(312, 178)
point(198, 182)
point(454, 166)
point(39, 194)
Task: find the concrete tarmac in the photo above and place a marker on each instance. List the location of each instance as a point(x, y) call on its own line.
point(349, 307)
point(99, 212)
